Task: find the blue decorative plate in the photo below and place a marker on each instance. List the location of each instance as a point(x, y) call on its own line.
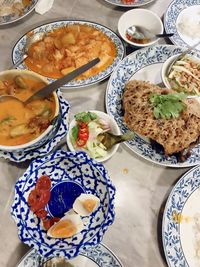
point(78, 173)
point(175, 14)
point(135, 4)
point(17, 52)
point(99, 256)
point(181, 222)
point(143, 64)
point(49, 146)
point(4, 20)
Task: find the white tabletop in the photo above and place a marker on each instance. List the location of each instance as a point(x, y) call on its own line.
point(142, 187)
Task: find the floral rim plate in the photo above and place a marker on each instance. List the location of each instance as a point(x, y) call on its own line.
point(71, 173)
point(47, 147)
point(171, 18)
point(143, 64)
point(17, 52)
point(4, 20)
point(97, 256)
point(135, 4)
point(181, 221)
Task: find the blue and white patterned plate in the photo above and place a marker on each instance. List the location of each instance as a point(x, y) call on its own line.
point(4, 20)
point(181, 222)
point(135, 4)
point(17, 52)
point(67, 171)
point(144, 64)
point(174, 14)
point(41, 151)
point(99, 256)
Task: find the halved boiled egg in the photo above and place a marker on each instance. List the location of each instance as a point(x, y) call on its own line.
point(85, 204)
point(68, 226)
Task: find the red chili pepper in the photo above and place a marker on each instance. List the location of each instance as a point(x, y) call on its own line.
point(80, 142)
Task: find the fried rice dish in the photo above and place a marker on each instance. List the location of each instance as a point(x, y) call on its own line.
point(175, 135)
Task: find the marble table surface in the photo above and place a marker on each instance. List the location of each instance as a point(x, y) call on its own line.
point(142, 187)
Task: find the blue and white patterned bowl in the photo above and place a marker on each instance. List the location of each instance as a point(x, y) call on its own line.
point(178, 227)
point(4, 20)
point(147, 61)
point(86, 175)
point(17, 52)
point(59, 133)
point(171, 18)
point(137, 3)
point(99, 256)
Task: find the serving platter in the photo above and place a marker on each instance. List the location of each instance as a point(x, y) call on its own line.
point(71, 174)
point(60, 133)
point(178, 11)
point(18, 50)
point(99, 256)
point(137, 3)
point(181, 222)
point(7, 19)
point(144, 64)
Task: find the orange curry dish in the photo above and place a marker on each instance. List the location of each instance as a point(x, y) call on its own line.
point(19, 123)
point(65, 49)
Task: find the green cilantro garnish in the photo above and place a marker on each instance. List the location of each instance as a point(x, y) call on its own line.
point(85, 116)
point(168, 106)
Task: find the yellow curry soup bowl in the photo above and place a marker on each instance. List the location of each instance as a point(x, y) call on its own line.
point(25, 127)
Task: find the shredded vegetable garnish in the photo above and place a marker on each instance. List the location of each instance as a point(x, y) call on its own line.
point(185, 75)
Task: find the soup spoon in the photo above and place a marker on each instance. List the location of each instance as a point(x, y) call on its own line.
point(139, 33)
point(50, 88)
point(29, 41)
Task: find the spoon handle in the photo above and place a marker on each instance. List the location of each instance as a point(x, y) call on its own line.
point(19, 62)
point(50, 88)
point(165, 35)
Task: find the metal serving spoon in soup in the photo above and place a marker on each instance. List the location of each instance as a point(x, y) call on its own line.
point(50, 88)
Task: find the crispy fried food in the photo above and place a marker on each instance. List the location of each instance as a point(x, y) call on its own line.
point(174, 134)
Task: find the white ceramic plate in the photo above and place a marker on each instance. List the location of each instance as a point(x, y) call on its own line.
point(181, 222)
point(41, 151)
point(178, 10)
point(114, 130)
point(99, 256)
point(4, 20)
point(17, 52)
point(135, 4)
point(143, 64)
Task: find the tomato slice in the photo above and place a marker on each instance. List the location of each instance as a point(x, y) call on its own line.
point(42, 214)
point(49, 222)
point(43, 183)
point(37, 199)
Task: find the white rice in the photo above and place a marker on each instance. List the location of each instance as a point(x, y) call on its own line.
point(189, 26)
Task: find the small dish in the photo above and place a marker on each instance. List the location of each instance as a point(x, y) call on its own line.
point(12, 17)
point(175, 84)
point(114, 129)
point(71, 174)
point(152, 22)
